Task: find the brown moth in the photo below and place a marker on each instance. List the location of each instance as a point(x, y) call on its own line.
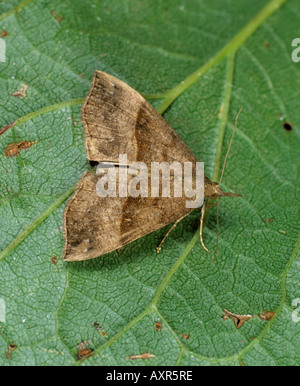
point(118, 120)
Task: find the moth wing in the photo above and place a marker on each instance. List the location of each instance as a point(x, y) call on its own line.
point(97, 225)
point(118, 120)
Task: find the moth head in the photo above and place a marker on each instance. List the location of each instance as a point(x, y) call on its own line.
point(213, 191)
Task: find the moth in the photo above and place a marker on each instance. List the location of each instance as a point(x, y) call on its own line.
point(118, 120)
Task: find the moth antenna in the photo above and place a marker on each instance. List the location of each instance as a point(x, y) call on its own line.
point(228, 193)
point(229, 145)
point(201, 226)
point(217, 229)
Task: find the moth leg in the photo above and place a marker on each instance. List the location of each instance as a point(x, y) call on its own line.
point(217, 246)
point(211, 205)
point(169, 231)
point(201, 226)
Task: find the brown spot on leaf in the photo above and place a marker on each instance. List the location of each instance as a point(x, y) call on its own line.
point(82, 344)
point(158, 326)
point(84, 353)
point(20, 93)
point(97, 326)
point(54, 259)
point(3, 34)
point(100, 329)
point(58, 18)
point(185, 336)
point(145, 355)
point(266, 315)
point(268, 219)
point(14, 148)
point(11, 348)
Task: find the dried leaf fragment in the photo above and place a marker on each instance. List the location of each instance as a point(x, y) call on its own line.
point(84, 353)
point(185, 336)
point(239, 320)
point(100, 329)
point(97, 326)
point(266, 315)
point(58, 18)
point(82, 344)
point(13, 149)
point(20, 93)
point(268, 219)
point(146, 355)
point(11, 348)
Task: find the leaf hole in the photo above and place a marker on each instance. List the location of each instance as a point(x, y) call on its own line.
point(287, 126)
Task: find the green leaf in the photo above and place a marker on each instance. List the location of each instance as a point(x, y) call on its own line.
point(198, 62)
